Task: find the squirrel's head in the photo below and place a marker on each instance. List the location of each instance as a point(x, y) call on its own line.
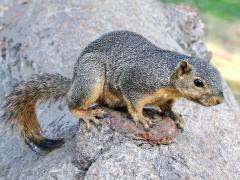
point(199, 81)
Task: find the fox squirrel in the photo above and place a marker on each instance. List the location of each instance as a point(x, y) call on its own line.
point(119, 69)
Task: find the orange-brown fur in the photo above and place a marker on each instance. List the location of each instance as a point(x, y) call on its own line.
point(28, 123)
point(20, 103)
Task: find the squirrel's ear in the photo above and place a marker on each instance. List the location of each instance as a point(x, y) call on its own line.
point(183, 67)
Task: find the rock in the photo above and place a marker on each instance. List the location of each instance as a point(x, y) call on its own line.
point(164, 129)
point(48, 36)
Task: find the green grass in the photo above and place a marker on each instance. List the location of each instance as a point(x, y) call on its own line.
point(220, 9)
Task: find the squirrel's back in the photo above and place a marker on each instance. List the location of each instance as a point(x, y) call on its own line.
point(121, 45)
point(130, 47)
point(126, 48)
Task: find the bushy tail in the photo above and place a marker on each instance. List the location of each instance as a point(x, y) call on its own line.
point(19, 106)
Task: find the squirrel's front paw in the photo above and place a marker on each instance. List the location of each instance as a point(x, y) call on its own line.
point(100, 113)
point(147, 123)
point(90, 120)
point(179, 121)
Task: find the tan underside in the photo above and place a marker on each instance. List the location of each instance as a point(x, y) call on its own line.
point(161, 97)
point(156, 98)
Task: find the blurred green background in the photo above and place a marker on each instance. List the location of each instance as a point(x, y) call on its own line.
point(222, 27)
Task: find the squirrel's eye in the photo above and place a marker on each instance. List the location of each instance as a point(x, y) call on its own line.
point(198, 82)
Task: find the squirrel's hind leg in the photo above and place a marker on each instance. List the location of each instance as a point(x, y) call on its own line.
point(80, 101)
point(88, 116)
point(86, 89)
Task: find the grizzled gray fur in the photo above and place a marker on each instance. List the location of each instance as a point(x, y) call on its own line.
point(121, 68)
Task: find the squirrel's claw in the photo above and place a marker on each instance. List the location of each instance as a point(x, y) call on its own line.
point(90, 121)
point(179, 122)
point(150, 124)
point(177, 119)
point(100, 113)
point(147, 123)
point(137, 124)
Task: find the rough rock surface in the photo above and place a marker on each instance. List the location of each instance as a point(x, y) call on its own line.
point(47, 36)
